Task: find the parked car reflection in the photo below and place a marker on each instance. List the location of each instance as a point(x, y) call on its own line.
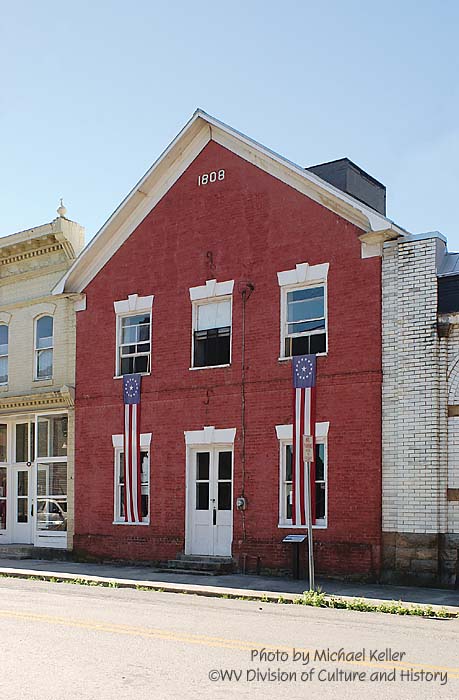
point(52, 515)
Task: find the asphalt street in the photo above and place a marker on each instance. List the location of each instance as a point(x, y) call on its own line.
point(62, 641)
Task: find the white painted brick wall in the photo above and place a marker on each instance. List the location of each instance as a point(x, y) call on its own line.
point(414, 385)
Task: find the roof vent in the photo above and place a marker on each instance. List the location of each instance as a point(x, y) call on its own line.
point(348, 177)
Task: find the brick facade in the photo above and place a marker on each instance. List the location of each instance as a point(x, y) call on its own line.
point(247, 229)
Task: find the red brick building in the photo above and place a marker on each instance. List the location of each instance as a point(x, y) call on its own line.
point(223, 261)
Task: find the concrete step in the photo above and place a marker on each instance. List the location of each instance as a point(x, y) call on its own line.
point(28, 551)
point(200, 564)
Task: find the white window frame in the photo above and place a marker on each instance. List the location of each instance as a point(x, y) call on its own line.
point(132, 306)
point(118, 447)
point(211, 292)
point(5, 322)
point(304, 276)
point(285, 437)
point(37, 350)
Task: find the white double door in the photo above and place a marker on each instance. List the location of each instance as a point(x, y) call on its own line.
point(210, 502)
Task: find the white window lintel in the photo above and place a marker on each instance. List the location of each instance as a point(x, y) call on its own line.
point(212, 289)
point(303, 274)
point(210, 435)
point(285, 432)
point(134, 304)
point(118, 440)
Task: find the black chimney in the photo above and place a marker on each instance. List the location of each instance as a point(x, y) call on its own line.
point(348, 177)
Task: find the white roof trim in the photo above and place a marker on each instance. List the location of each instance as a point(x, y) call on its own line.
point(210, 436)
point(211, 289)
point(303, 274)
point(285, 432)
point(134, 304)
point(173, 162)
point(145, 440)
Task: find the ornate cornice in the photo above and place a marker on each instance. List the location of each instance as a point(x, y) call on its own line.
point(61, 398)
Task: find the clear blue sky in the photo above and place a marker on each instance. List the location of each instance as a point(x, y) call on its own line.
point(92, 92)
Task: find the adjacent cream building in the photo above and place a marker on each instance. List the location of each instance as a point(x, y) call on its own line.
point(37, 379)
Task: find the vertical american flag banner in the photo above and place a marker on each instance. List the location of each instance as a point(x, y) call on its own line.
point(304, 422)
point(132, 466)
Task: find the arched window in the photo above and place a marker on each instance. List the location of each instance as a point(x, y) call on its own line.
point(44, 348)
point(3, 353)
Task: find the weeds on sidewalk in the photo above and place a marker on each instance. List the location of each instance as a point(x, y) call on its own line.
point(316, 599)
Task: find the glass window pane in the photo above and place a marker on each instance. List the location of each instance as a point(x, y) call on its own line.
point(288, 504)
point(144, 505)
point(3, 370)
point(306, 326)
point(202, 466)
point(320, 501)
point(214, 315)
point(144, 332)
point(318, 343)
point(288, 463)
point(23, 483)
point(23, 510)
point(224, 495)
point(202, 495)
point(144, 469)
point(310, 293)
point(129, 334)
point(299, 346)
point(3, 444)
point(44, 364)
point(3, 475)
point(141, 363)
point(320, 467)
point(52, 436)
point(3, 338)
point(22, 442)
point(45, 332)
point(224, 465)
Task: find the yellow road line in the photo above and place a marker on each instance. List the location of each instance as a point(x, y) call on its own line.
point(216, 642)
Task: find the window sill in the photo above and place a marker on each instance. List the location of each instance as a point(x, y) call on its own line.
point(142, 374)
point(121, 522)
point(284, 359)
point(3, 387)
point(193, 369)
point(288, 526)
point(49, 381)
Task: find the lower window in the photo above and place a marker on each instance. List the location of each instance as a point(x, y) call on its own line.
point(285, 515)
point(120, 485)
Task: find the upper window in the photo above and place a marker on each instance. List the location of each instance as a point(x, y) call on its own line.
point(44, 347)
point(134, 344)
point(303, 310)
point(212, 334)
point(212, 310)
point(133, 335)
point(3, 353)
point(305, 321)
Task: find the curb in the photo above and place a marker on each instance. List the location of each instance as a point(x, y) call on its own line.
point(200, 590)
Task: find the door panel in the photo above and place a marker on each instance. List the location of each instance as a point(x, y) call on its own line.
point(210, 507)
point(22, 526)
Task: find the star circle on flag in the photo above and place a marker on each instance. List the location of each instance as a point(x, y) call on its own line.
point(304, 368)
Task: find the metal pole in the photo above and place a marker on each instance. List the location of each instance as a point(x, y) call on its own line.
point(310, 544)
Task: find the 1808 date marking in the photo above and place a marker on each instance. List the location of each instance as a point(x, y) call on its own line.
point(208, 178)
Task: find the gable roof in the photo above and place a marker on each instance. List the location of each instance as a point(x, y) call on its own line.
point(173, 162)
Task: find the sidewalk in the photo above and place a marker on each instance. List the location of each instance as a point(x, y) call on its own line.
point(231, 585)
